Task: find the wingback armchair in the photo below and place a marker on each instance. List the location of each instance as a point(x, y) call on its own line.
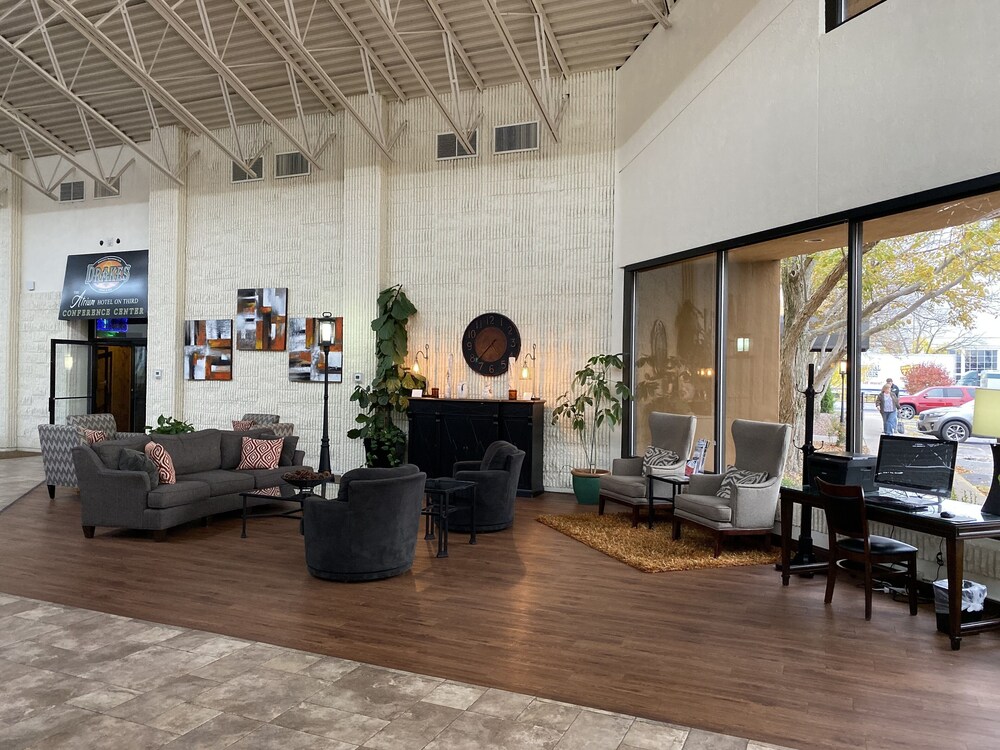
point(58, 440)
point(751, 506)
point(627, 485)
point(496, 478)
point(370, 530)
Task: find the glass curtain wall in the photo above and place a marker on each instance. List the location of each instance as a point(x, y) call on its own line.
point(787, 309)
point(931, 311)
point(674, 346)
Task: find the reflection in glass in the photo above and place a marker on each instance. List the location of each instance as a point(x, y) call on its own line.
point(675, 345)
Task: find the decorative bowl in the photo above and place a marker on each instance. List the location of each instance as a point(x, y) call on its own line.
point(306, 482)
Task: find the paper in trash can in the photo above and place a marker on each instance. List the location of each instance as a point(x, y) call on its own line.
point(973, 596)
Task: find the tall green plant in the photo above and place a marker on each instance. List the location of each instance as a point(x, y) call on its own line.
point(388, 394)
point(593, 402)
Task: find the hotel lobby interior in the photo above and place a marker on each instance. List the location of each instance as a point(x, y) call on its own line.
point(736, 195)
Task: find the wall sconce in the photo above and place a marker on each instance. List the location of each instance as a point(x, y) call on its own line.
point(416, 358)
point(525, 370)
point(706, 372)
point(743, 344)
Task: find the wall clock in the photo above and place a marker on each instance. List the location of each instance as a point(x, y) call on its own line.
point(488, 343)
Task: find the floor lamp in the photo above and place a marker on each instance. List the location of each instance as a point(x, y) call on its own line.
point(986, 423)
point(325, 336)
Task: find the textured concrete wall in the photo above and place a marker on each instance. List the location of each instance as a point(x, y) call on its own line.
point(10, 286)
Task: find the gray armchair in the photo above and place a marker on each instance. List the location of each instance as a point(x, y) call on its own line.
point(370, 530)
point(750, 509)
point(626, 484)
point(58, 440)
point(496, 477)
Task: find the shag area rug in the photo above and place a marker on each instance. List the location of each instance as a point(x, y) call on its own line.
point(652, 550)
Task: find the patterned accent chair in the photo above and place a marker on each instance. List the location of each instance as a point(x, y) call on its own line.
point(282, 429)
point(58, 440)
point(751, 508)
point(261, 418)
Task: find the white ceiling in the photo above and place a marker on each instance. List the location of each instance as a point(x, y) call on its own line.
point(253, 43)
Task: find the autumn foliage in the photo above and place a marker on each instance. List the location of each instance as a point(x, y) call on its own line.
point(925, 375)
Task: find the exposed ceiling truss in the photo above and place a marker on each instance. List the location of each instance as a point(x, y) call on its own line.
point(79, 76)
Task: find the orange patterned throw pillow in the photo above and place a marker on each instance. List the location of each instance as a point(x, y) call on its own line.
point(164, 464)
point(94, 436)
point(260, 454)
point(242, 425)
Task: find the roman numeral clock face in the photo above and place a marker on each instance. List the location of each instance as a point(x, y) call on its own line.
point(489, 342)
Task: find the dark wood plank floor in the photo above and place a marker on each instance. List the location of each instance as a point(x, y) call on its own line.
point(533, 611)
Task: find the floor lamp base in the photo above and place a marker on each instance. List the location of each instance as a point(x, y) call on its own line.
point(992, 504)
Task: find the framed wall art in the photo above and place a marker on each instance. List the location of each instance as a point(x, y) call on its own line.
point(208, 350)
point(261, 319)
point(305, 357)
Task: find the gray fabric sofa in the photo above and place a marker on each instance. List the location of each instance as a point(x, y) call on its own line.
point(207, 480)
point(370, 530)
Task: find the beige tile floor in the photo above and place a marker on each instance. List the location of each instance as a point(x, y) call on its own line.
point(74, 678)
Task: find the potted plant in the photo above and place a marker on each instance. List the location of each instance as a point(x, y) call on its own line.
point(169, 426)
point(388, 394)
point(592, 402)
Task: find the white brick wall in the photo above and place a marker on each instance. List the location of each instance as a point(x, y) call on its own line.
point(10, 285)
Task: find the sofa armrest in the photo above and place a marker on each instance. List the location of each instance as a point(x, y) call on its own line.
point(704, 484)
point(627, 466)
point(109, 497)
point(465, 466)
point(754, 505)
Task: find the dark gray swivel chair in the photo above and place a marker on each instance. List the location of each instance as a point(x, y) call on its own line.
point(370, 530)
point(496, 477)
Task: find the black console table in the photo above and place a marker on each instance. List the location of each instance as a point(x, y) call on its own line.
point(446, 430)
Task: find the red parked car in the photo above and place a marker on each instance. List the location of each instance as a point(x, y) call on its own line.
point(936, 397)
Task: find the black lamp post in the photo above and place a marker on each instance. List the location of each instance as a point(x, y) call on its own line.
point(843, 377)
point(325, 336)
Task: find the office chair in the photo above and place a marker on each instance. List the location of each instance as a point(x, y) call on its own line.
point(845, 516)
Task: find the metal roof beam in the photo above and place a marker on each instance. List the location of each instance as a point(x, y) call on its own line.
point(522, 69)
point(550, 37)
point(314, 66)
point(411, 62)
point(363, 43)
point(462, 55)
point(28, 181)
point(660, 14)
point(168, 14)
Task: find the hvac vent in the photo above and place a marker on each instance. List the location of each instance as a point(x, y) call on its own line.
point(520, 137)
point(293, 164)
point(449, 147)
point(71, 191)
point(100, 191)
point(256, 171)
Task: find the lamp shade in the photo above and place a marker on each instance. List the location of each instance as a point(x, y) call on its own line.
point(986, 413)
point(327, 330)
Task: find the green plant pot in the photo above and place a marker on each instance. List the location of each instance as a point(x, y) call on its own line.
point(587, 486)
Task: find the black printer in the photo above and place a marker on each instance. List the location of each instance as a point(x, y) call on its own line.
point(840, 467)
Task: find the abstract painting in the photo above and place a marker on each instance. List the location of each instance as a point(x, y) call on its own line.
point(305, 357)
point(208, 350)
point(261, 319)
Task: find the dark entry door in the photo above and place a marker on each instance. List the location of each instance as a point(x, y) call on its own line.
point(119, 380)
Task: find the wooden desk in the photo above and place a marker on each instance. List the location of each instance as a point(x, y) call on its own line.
point(969, 523)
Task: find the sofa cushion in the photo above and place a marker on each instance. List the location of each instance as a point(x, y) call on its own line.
point(232, 445)
point(132, 460)
point(164, 464)
point(735, 477)
point(624, 486)
point(372, 473)
point(288, 446)
point(109, 451)
point(94, 436)
point(192, 451)
point(259, 453)
point(268, 477)
point(706, 506)
point(182, 493)
point(221, 482)
point(659, 462)
point(242, 425)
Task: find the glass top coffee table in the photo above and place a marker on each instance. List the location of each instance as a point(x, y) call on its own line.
point(438, 508)
point(284, 492)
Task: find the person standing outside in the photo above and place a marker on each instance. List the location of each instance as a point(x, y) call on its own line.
point(894, 388)
point(888, 407)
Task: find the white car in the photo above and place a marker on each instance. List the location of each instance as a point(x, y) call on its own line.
point(948, 423)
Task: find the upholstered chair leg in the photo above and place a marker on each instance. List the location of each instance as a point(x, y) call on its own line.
point(160, 535)
point(635, 516)
point(868, 590)
point(600, 505)
point(911, 582)
point(718, 544)
point(52, 491)
point(88, 531)
point(831, 576)
point(677, 528)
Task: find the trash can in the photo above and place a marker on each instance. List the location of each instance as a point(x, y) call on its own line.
point(973, 599)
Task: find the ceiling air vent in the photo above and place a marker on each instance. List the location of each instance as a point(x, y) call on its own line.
point(100, 191)
point(520, 137)
point(448, 146)
point(256, 171)
point(70, 192)
point(293, 164)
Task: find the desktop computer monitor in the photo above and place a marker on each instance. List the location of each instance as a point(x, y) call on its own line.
point(916, 464)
